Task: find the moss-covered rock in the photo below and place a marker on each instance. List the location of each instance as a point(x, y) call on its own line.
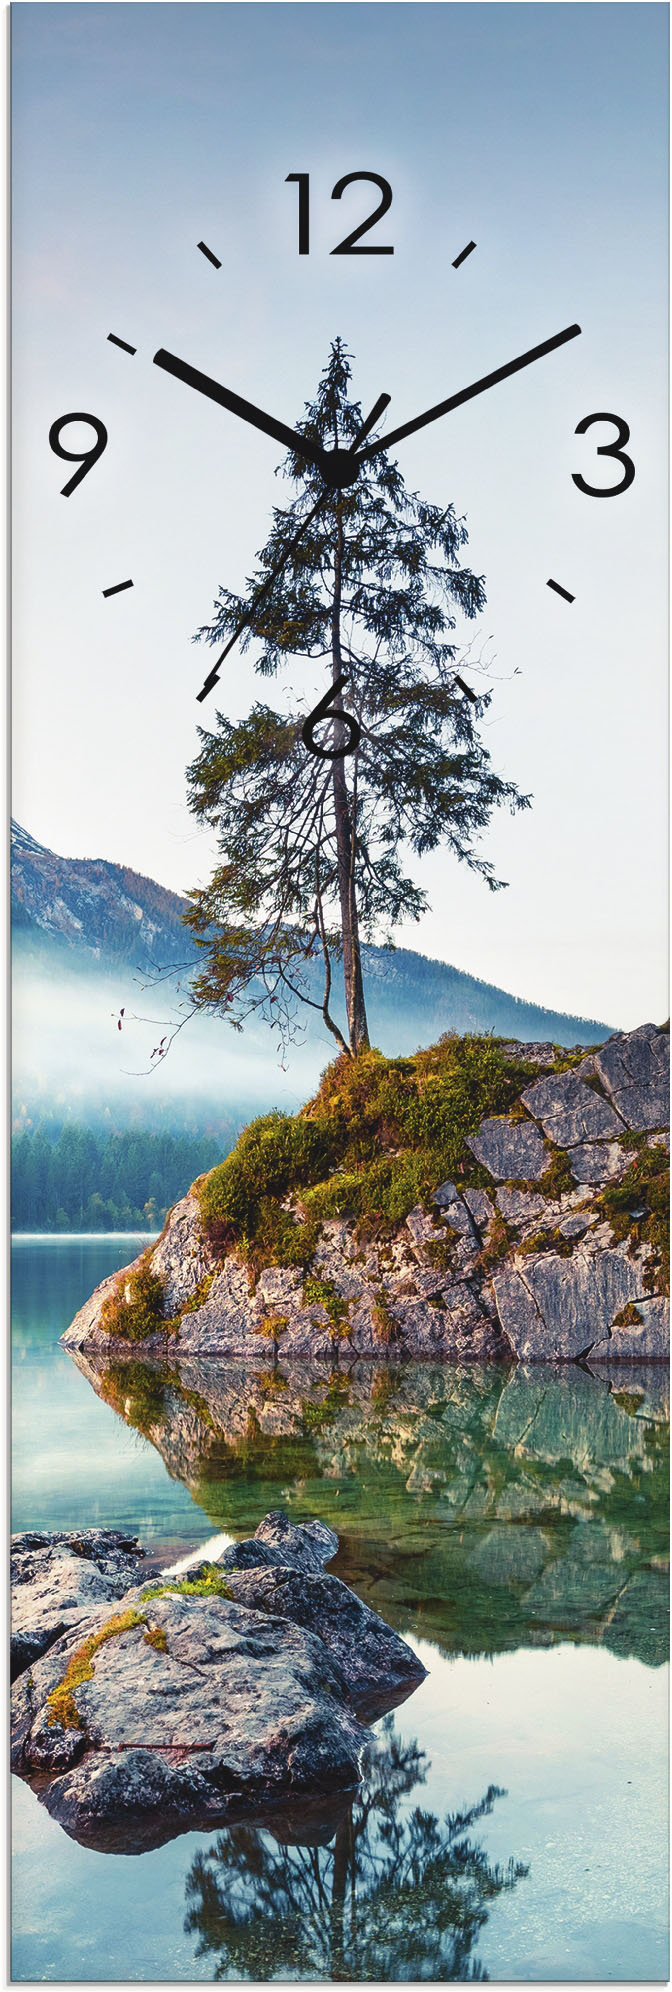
point(422, 1206)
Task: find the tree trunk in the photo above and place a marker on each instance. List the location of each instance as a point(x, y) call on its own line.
point(352, 961)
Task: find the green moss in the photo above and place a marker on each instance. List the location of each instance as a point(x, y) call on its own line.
point(200, 1296)
point(440, 1253)
point(61, 1704)
point(274, 1155)
point(557, 1180)
point(548, 1241)
point(273, 1326)
point(156, 1636)
point(210, 1584)
point(320, 1291)
point(637, 1208)
point(629, 1317)
point(386, 1329)
point(135, 1308)
point(496, 1243)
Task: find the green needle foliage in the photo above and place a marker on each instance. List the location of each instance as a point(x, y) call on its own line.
point(314, 852)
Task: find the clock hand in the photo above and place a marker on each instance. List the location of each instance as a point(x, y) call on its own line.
point(378, 409)
point(213, 675)
point(291, 438)
point(467, 393)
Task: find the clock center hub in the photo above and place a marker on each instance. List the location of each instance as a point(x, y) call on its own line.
point(340, 468)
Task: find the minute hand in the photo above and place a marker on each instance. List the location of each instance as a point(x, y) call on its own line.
point(237, 406)
point(467, 393)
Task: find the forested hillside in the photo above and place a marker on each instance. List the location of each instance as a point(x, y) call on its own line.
point(66, 1178)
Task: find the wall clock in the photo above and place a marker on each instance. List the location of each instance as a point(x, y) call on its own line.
point(340, 537)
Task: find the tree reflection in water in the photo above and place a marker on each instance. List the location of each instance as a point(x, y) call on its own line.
point(375, 1891)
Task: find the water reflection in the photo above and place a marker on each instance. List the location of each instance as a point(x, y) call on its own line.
point(483, 1509)
point(384, 1890)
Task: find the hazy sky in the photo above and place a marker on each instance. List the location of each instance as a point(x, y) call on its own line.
point(540, 132)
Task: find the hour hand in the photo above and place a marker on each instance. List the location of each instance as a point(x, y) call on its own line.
point(301, 445)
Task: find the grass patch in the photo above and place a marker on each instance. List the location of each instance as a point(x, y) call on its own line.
point(135, 1308)
point(378, 1137)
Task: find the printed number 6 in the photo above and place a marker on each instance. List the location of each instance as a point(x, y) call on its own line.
point(326, 710)
point(615, 450)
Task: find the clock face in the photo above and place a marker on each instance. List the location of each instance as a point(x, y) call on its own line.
point(208, 199)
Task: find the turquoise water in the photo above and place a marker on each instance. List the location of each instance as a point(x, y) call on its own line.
point(512, 1821)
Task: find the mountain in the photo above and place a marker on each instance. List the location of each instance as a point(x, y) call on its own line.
point(87, 915)
point(105, 912)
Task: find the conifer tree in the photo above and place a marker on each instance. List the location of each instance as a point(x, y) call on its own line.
point(312, 850)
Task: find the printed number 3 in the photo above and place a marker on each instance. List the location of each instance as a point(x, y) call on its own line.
point(615, 450)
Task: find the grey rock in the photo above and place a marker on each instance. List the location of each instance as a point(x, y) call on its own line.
point(277, 1544)
point(374, 1661)
point(422, 1228)
point(482, 1210)
point(240, 1708)
point(647, 1340)
point(58, 1579)
point(280, 1287)
point(635, 1070)
point(598, 1162)
point(576, 1223)
point(181, 1256)
point(535, 1053)
point(460, 1219)
point(520, 1206)
point(557, 1309)
point(510, 1149)
point(304, 1545)
point(445, 1195)
point(569, 1110)
point(85, 1330)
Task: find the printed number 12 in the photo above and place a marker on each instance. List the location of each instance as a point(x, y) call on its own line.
point(351, 245)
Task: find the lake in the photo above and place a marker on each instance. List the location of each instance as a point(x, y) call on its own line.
point(512, 1526)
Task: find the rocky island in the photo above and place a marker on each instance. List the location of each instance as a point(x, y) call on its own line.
point(186, 1701)
point(483, 1199)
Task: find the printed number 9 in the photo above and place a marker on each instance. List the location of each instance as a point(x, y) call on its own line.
point(615, 450)
point(85, 458)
